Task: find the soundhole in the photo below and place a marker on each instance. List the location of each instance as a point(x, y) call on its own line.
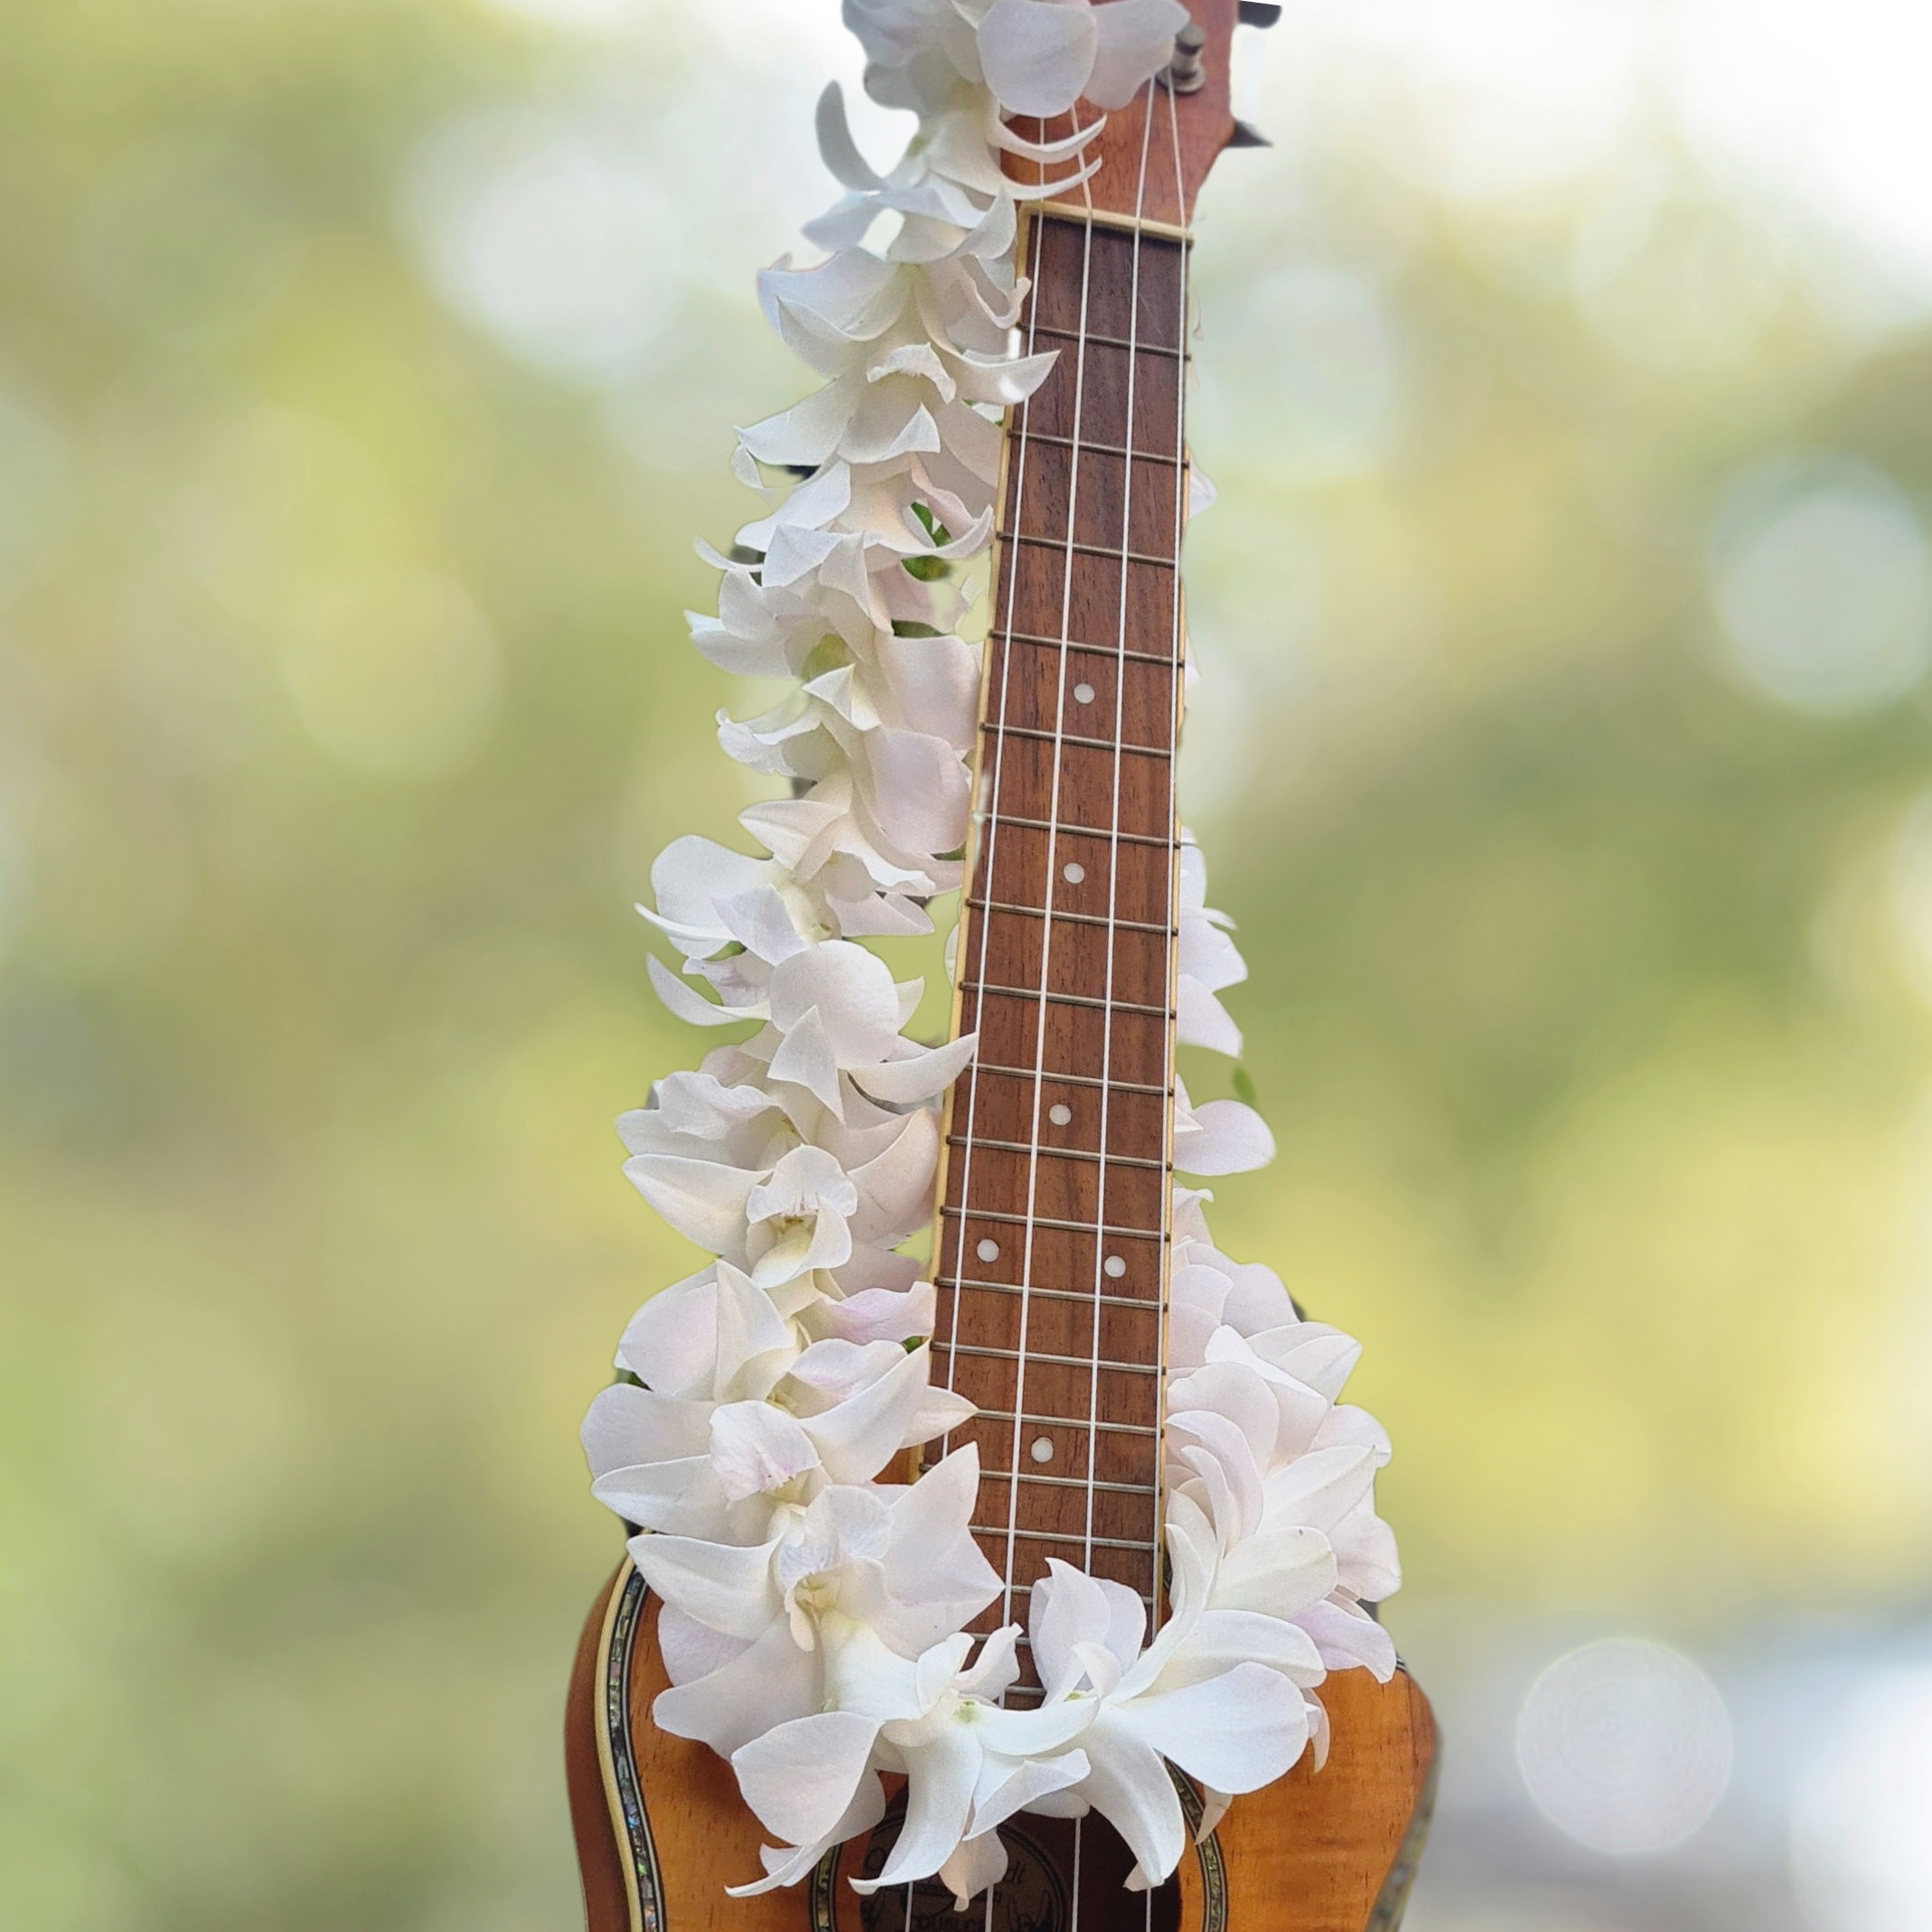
point(1038, 1891)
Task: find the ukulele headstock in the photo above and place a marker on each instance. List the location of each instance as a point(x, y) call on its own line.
point(1157, 151)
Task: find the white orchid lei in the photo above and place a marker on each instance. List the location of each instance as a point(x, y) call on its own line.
point(813, 1614)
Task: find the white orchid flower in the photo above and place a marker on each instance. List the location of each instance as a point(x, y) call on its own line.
point(1264, 1453)
point(779, 1223)
point(835, 1414)
point(1218, 1692)
point(1208, 962)
point(675, 1342)
point(1220, 1136)
point(724, 1112)
point(900, 1562)
point(833, 1015)
point(809, 1614)
point(734, 917)
point(1040, 56)
point(969, 1764)
point(830, 823)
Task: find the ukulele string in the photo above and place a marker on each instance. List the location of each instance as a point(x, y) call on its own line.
point(1102, 1216)
point(981, 932)
point(1028, 1226)
point(1036, 254)
point(1182, 485)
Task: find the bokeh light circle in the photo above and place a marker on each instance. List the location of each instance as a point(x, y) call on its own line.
point(1625, 1745)
point(1862, 1816)
point(1823, 579)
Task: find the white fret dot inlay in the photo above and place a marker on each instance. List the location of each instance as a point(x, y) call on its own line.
point(1074, 873)
point(1083, 694)
point(1042, 1450)
point(987, 1251)
point(1113, 1267)
point(1060, 1116)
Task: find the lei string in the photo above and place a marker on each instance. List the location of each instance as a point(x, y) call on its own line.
point(813, 1614)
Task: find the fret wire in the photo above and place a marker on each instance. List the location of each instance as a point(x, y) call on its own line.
point(1073, 643)
point(1048, 1221)
point(1069, 999)
point(1068, 1080)
point(1059, 1153)
point(1114, 342)
point(1068, 1482)
point(1039, 1354)
point(1040, 912)
point(1080, 1295)
point(1097, 1542)
point(1084, 832)
point(1059, 1422)
point(1106, 449)
point(1067, 737)
point(1064, 544)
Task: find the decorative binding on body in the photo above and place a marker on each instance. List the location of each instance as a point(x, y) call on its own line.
point(1137, 1485)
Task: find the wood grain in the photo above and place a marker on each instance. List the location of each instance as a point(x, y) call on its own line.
point(705, 1835)
point(1051, 1263)
point(1315, 1852)
point(606, 1904)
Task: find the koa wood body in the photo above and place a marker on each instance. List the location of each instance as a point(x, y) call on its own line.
point(660, 1829)
point(1051, 1251)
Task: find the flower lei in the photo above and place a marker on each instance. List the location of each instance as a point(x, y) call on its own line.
point(813, 1614)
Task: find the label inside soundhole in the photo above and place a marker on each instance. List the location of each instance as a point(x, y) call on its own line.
point(1031, 1898)
point(1036, 1894)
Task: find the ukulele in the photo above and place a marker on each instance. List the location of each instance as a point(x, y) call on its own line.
point(1055, 1218)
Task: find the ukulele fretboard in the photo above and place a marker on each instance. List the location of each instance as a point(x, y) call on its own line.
point(1052, 1259)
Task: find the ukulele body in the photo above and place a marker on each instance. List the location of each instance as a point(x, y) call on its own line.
point(662, 1831)
point(1056, 1237)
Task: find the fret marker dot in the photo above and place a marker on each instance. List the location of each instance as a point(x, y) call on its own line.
point(1042, 1450)
point(1083, 694)
point(1113, 1267)
point(987, 1251)
point(1074, 873)
point(1060, 1116)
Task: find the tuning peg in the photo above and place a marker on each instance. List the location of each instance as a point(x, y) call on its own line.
point(1259, 12)
point(1246, 135)
point(1183, 74)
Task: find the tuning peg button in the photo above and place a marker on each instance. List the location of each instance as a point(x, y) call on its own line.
point(1259, 12)
point(1246, 135)
point(1183, 74)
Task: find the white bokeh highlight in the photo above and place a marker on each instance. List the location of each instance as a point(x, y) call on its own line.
point(1822, 576)
point(1625, 1745)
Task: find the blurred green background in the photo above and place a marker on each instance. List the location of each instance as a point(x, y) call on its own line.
point(366, 370)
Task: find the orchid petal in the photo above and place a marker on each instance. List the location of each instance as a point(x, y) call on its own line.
point(799, 1778)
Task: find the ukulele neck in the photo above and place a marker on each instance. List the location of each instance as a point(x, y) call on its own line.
point(1055, 1206)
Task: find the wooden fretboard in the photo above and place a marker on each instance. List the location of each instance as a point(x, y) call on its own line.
point(1052, 1247)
